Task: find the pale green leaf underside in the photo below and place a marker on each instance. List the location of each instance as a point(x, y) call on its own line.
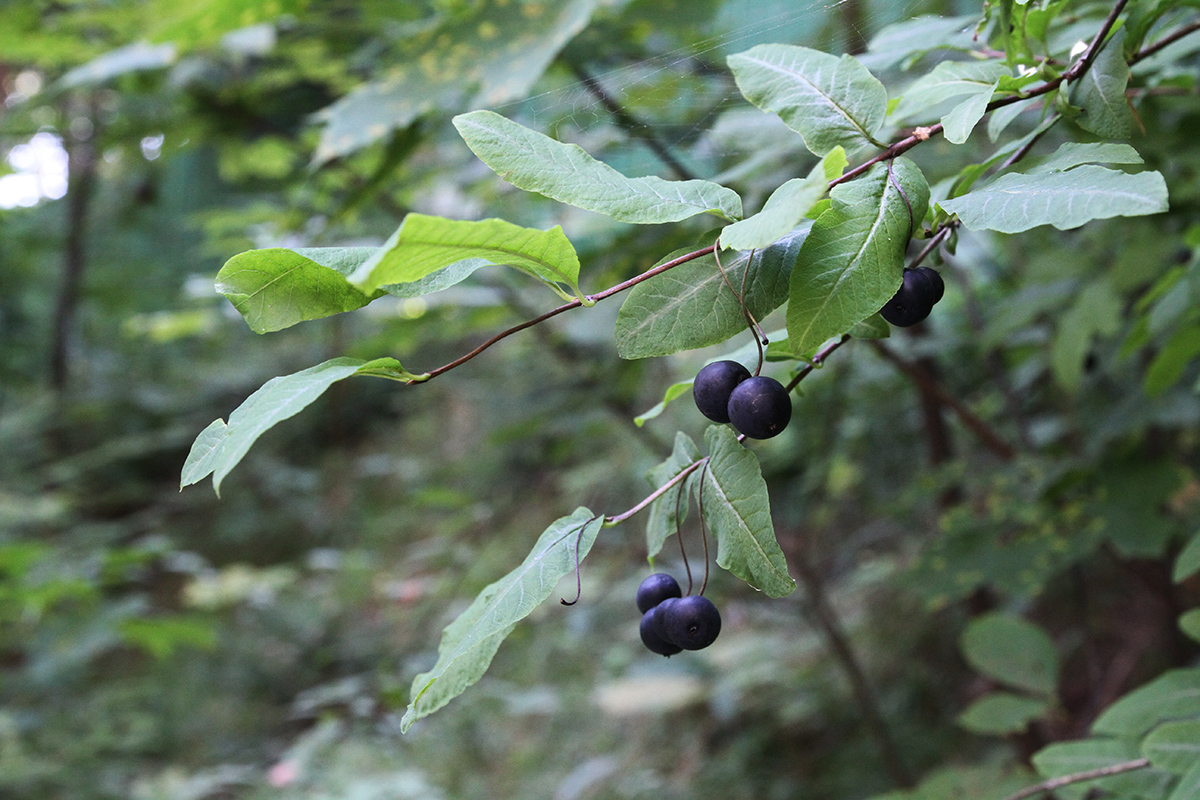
point(691, 306)
point(958, 123)
point(423, 245)
point(948, 80)
point(220, 446)
point(829, 101)
point(853, 259)
point(565, 172)
point(661, 520)
point(786, 206)
point(1073, 154)
point(737, 509)
point(469, 643)
point(1017, 202)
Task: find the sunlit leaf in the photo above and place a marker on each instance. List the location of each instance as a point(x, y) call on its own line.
point(424, 245)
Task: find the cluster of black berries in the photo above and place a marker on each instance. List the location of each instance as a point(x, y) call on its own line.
point(758, 406)
point(921, 290)
point(671, 622)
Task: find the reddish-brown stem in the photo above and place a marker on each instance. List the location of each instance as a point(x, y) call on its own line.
point(1169, 39)
point(657, 493)
point(554, 312)
point(817, 360)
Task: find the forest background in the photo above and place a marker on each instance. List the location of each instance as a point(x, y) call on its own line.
point(990, 517)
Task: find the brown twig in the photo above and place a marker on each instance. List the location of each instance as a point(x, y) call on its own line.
point(1078, 777)
point(1169, 39)
point(976, 425)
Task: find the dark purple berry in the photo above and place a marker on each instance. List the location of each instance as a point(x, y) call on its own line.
point(760, 407)
point(655, 589)
point(691, 622)
point(658, 620)
point(935, 280)
point(655, 643)
point(913, 301)
point(713, 385)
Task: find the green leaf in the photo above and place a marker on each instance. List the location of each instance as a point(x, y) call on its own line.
point(674, 391)
point(1173, 746)
point(736, 507)
point(565, 172)
point(1173, 695)
point(1072, 154)
point(197, 24)
point(1017, 202)
point(852, 261)
point(162, 636)
point(469, 643)
point(1187, 563)
point(1167, 367)
point(786, 207)
point(829, 101)
point(1188, 787)
point(219, 447)
point(1002, 712)
point(277, 287)
point(691, 306)
point(947, 80)
point(908, 40)
point(1013, 651)
point(1068, 758)
point(958, 123)
point(1100, 92)
point(424, 245)
point(661, 522)
point(873, 327)
point(1096, 312)
point(1189, 623)
point(483, 55)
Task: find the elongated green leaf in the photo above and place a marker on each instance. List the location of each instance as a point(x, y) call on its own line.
point(1096, 312)
point(1187, 563)
point(1173, 746)
point(1167, 367)
point(220, 446)
point(948, 80)
point(786, 206)
point(481, 54)
point(1172, 695)
point(565, 172)
point(958, 123)
point(423, 245)
point(912, 38)
point(469, 643)
point(674, 391)
point(1013, 651)
point(1068, 758)
point(1072, 154)
point(1189, 623)
point(661, 521)
point(1002, 712)
point(277, 287)
point(1101, 92)
point(691, 305)
point(1017, 202)
point(737, 509)
point(853, 259)
point(829, 101)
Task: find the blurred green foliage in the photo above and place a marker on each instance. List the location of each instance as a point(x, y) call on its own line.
point(158, 644)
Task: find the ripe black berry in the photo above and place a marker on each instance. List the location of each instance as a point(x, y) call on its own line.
point(655, 589)
point(713, 385)
point(760, 407)
point(650, 637)
point(913, 301)
point(691, 622)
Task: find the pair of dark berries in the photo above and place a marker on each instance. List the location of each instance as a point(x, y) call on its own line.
point(917, 296)
point(757, 406)
point(671, 622)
